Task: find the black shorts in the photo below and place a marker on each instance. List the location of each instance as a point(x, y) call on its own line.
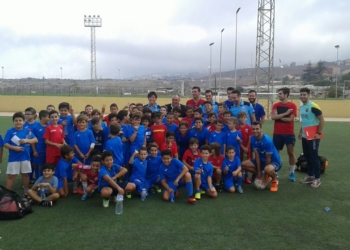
point(281, 140)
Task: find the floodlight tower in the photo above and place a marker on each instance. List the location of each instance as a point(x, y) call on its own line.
point(93, 21)
point(265, 43)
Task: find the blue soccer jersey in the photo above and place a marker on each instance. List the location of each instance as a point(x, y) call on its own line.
point(12, 138)
point(115, 145)
point(171, 172)
point(30, 126)
point(219, 138)
point(173, 127)
point(111, 172)
point(207, 170)
point(231, 140)
point(182, 142)
point(153, 166)
point(38, 131)
point(215, 109)
point(148, 134)
point(265, 146)
point(259, 111)
point(139, 169)
point(126, 129)
point(99, 139)
point(84, 139)
point(232, 166)
point(205, 123)
point(64, 169)
point(1, 142)
point(106, 136)
point(243, 107)
point(68, 129)
point(139, 139)
point(202, 136)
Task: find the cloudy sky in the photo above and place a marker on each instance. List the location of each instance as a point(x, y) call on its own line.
point(38, 37)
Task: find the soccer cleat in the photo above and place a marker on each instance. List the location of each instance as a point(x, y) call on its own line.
point(158, 189)
point(79, 191)
point(191, 200)
point(176, 194)
point(197, 196)
point(128, 195)
point(274, 186)
point(247, 180)
point(316, 183)
point(240, 190)
point(46, 203)
point(217, 187)
point(202, 191)
point(105, 203)
point(308, 180)
point(84, 197)
point(265, 182)
point(292, 177)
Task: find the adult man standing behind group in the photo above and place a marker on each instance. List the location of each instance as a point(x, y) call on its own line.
point(196, 101)
point(258, 108)
point(175, 102)
point(242, 106)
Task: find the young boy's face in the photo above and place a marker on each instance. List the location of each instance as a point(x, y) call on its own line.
point(208, 107)
point(197, 115)
point(170, 139)
point(231, 125)
point(45, 119)
point(145, 123)
point(47, 173)
point(158, 120)
point(114, 120)
point(243, 120)
point(134, 110)
point(170, 119)
point(189, 113)
point(50, 108)
point(113, 110)
point(166, 160)
point(136, 122)
point(88, 110)
point(69, 156)
point(205, 155)
point(108, 161)
point(95, 166)
point(54, 119)
point(139, 108)
point(176, 115)
point(96, 115)
point(29, 116)
point(96, 126)
point(194, 147)
point(82, 125)
point(221, 109)
point(198, 124)
point(219, 126)
point(230, 154)
point(163, 111)
point(226, 117)
point(212, 119)
point(143, 155)
point(183, 129)
point(153, 151)
point(63, 112)
point(149, 114)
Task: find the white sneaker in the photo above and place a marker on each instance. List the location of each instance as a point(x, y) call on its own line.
point(316, 183)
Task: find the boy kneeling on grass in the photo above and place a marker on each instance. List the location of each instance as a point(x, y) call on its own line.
point(49, 184)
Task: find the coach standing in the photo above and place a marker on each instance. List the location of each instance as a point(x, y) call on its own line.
point(242, 106)
point(175, 102)
point(196, 101)
point(311, 115)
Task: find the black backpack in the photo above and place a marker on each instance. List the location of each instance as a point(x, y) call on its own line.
point(302, 163)
point(12, 206)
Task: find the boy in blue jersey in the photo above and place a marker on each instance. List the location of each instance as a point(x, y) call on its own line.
point(231, 168)
point(208, 108)
point(63, 167)
point(146, 121)
point(47, 182)
point(170, 125)
point(115, 145)
point(197, 113)
point(311, 115)
point(173, 175)
point(182, 138)
point(84, 141)
point(113, 119)
point(19, 152)
point(199, 132)
point(30, 121)
point(67, 121)
point(39, 149)
point(233, 136)
point(266, 161)
point(152, 173)
point(137, 133)
point(203, 172)
point(109, 173)
point(97, 131)
point(139, 166)
point(219, 136)
point(227, 116)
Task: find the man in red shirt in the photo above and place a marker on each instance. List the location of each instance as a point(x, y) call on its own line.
point(283, 114)
point(196, 102)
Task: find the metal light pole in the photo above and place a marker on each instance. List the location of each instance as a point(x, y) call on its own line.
point(119, 74)
point(210, 66)
point(220, 58)
point(236, 50)
point(336, 79)
point(281, 75)
point(3, 76)
point(61, 73)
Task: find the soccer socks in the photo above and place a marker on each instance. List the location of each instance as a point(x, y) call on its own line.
point(239, 181)
point(291, 169)
point(84, 184)
point(189, 189)
point(198, 191)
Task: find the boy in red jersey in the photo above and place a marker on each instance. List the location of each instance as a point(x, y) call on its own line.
point(191, 155)
point(221, 111)
point(211, 122)
point(54, 139)
point(89, 177)
point(246, 132)
point(177, 114)
point(158, 130)
point(189, 116)
point(170, 143)
point(113, 108)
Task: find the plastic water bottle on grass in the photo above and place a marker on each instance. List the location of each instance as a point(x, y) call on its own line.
point(119, 205)
point(42, 194)
point(143, 194)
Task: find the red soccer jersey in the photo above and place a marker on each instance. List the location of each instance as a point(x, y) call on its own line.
point(189, 157)
point(194, 104)
point(106, 120)
point(216, 162)
point(158, 135)
point(211, 128)
point(177, 121)
point(92, 178)
point(281, 127)
point(54, 135)
point(246, 132)
point(221, 118)
point(173, 148)
point(188, 120)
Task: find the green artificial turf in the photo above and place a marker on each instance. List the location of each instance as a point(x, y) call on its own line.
point(292, 218)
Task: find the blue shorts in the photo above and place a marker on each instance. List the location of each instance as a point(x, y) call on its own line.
point(172, 186)
point(152, 181)
point(40, 160)
point(281, 140)
point(205, 186)
point(138, 183)
point(229, 182)
point(60, 183)
point(276, 165)
point(122, 185)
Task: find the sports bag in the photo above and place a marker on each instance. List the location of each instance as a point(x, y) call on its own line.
point(12, 206)
point(302, 163)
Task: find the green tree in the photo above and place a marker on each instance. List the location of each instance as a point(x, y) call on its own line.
point(323, 83)
point(345, 77)
point(314, 73)
point(331, 92)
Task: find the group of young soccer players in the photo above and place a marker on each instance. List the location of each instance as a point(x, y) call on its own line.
point(126, 151)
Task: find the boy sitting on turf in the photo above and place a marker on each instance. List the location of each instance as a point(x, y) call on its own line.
point(231, 168)
point(203, 172)
point(107, 177)
point(216, 160)
point(152, 173)
point(89, 177)
point(173, 175)
point(47, 182)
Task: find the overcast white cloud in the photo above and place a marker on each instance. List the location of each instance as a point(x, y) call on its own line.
point(157, 37)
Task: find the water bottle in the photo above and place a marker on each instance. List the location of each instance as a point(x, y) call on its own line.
point(143, 194)
point(42, 194)
point(119, 205)
point(29, 136)
point(172, 197)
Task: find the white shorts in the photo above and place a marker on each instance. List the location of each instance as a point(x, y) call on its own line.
point(18, 167)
